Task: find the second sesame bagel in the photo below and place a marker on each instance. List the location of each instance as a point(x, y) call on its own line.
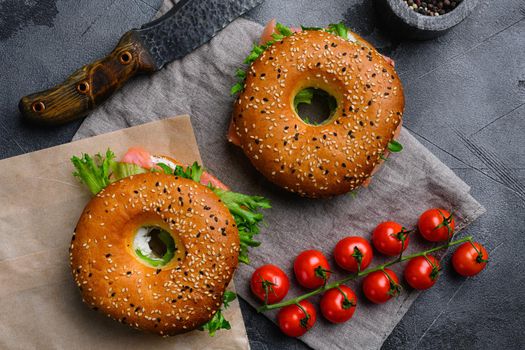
point(116, 271)
point(339, 154)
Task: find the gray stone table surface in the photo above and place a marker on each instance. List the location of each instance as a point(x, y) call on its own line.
point(465, 95)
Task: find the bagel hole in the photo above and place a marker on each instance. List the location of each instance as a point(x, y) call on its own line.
point(314, 106)
point(154, 246)
point(157, 246)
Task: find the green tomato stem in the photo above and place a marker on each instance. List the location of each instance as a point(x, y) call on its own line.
point(358, 275)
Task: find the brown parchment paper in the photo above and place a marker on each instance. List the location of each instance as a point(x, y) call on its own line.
point(40, 306)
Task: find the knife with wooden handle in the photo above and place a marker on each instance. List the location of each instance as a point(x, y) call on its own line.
point(188, 25)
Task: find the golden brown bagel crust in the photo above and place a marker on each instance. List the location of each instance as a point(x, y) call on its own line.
point(318, 160)
point(177, 297)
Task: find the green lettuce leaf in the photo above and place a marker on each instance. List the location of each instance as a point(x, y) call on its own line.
point(165, 168)
point(218, 321)
point(394, 146)
point(122, 170)
point(193, 172)
point(244, 209)
point(98, 171)
point(338, 29)
point(304, 96)
point(94, 171)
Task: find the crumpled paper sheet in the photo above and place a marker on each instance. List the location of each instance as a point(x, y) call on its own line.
point(40, 305)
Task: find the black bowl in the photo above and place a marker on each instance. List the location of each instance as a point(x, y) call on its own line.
point(398, 17)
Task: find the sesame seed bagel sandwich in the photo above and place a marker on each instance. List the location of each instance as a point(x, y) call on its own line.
point(288, 68)
point(158, 244)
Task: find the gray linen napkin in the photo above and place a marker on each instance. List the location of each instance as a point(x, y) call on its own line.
point(407, 184)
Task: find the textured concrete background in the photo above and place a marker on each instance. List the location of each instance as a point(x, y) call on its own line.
point(465, 98)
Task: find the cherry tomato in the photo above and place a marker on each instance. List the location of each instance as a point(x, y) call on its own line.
point(350, 250)
point(338, 305)
point(295, 321)
point(421, 273)
point(311, 269)
point(470, 258)
point(378, 288)
point(436, 225)
point(269, 283)
point(388, 238)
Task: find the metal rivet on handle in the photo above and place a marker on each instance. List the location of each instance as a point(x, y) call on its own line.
point(38, 106)
point(125, 57)
point(83, 87)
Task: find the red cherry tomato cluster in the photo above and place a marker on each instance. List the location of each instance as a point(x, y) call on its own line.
point(354, 254)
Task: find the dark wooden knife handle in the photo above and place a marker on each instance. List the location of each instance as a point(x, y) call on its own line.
point(90, 85)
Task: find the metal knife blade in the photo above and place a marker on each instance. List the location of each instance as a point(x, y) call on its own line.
point(188, 25)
